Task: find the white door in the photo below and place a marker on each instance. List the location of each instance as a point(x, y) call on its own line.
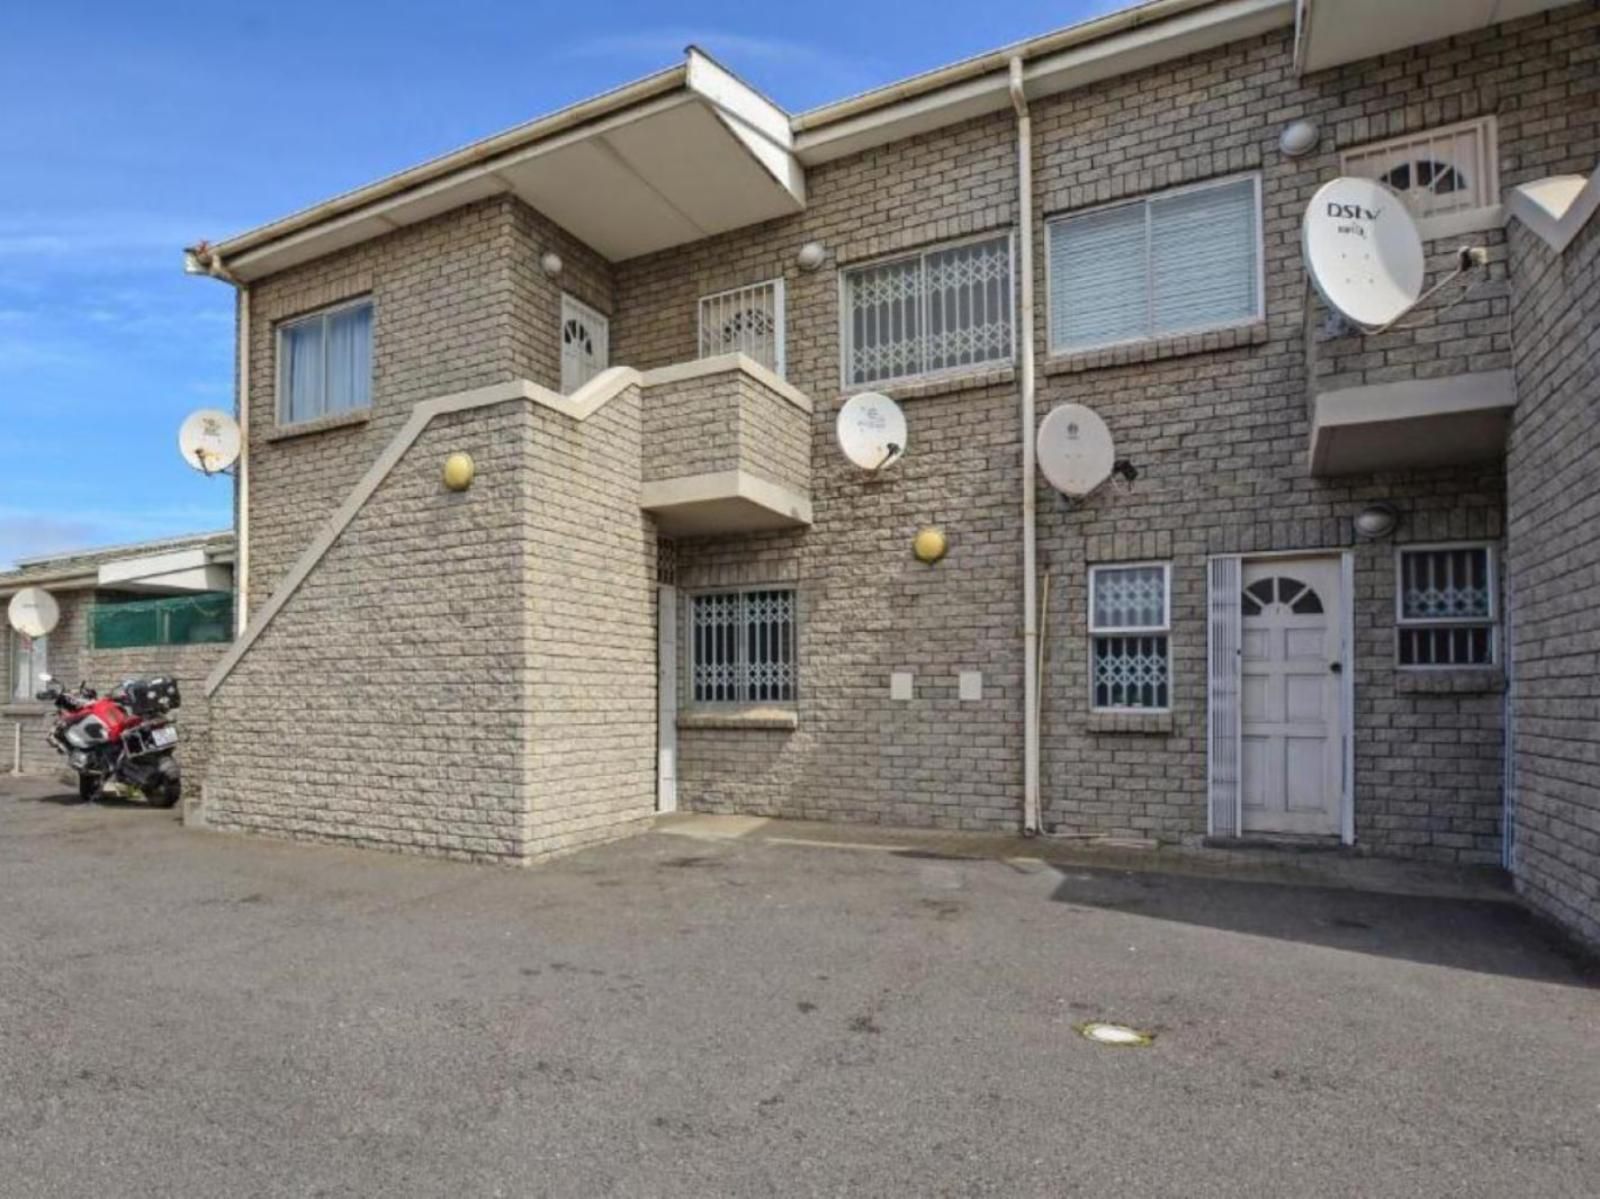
point(667, 699)
point(585, 344)
point(1291, 696)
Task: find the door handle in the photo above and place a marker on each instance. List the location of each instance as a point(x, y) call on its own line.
point(1336, 667)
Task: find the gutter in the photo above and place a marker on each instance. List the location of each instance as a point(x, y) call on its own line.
point(1030, 564)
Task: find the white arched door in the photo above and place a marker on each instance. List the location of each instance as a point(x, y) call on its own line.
point(1291, 696)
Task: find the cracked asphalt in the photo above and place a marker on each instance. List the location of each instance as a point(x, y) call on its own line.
point(185, 1013)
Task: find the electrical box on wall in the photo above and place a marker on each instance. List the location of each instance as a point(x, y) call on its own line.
point(900, 685)
point(970, 685)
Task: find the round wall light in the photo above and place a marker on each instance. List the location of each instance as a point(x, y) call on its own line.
point(550, 263)
point(1299, 138)
point(811, 256)
point(1375, 521)
point(929, 545)
point(459, 470)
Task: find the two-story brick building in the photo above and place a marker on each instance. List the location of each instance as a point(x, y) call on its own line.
point(665, 586)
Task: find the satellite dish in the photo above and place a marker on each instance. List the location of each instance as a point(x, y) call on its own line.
point(34, 612)
point(1363, 251)
point(1075, 449)
point(872, 430)
point(209, 440)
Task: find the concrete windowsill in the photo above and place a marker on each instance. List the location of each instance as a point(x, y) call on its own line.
point(1137, 723)
point(305, 428)
point(1130, 353)
point(1449, 682)
point(771, 719)
point(966, 380)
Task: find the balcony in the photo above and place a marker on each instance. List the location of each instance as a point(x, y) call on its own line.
point(727, 448)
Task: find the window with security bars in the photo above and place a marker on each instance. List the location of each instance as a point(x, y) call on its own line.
point(1442, 172)
point(1130, 617)
point(1181, 261)
point(746, 320)
point(742, 647)
point(1445, 607)
point(940, 310)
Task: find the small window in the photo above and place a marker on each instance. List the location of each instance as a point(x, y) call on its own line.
point(29, 664)
point(747, 320)
point(1445, 604)
point(118, 621)
point(743, 646)
point(1178, 262)
point(585, 344)
point(325, 363)
point(1290, 593)
point(1441, 173)
point(1130, 616)
point(945, 309)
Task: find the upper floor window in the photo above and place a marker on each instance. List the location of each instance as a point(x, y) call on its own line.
point(585, 343)
point(1447, 176)
point(1445, 606)
point(939, 310)
point(746, 320)
point(1181, 261)
point(325, 363)
point(1130, 617)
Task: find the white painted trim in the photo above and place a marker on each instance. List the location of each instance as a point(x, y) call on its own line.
point(725, 485)
point(1347, 606)
point(666, 698)
point(721, 363)
point(1556, 209)
point(1162, 630)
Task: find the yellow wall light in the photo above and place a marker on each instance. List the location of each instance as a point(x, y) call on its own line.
point(459, 471)
point(929, 545)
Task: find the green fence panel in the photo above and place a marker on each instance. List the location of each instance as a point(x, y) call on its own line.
point(172, 620)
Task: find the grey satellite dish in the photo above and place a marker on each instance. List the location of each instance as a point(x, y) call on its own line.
point(1362, 251)
point(33, 612)
point(209, 440)
point(872, 430)
point(1075, 449)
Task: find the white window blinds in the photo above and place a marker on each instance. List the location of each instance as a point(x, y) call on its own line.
point(1173, 263)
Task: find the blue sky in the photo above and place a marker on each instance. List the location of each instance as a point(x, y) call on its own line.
point(131, 130)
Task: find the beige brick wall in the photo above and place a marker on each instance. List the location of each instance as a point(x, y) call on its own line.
point(1553, 502)
point(725, 421)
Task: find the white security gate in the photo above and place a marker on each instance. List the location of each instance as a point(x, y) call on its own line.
point(1222, 697)
point(667, 699)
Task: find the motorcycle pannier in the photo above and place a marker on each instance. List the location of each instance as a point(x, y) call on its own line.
point(153, 697)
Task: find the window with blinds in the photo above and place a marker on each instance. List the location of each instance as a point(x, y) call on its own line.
point(1445, 606)
point(945, 309)
point(1181, 261)
point(746, 320)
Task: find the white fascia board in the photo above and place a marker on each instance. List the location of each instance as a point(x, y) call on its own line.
point(1175, 37)
point(1556, 208)
point(135, 570)
point(758, 124)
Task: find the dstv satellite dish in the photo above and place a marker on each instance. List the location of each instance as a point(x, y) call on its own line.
point(872, 430)
point(1363, 251)
point(209, 440)
point(34, 612)
point(1075, 449)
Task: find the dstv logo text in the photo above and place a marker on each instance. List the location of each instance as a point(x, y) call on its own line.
point(1353, 212)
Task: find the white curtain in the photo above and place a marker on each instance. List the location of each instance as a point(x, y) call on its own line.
point(349, 359)
point(302, 372)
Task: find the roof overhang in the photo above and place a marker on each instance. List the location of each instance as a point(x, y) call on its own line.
point(681, 155)
point(173, 573)
point(1082, 54)
point(1332, 32)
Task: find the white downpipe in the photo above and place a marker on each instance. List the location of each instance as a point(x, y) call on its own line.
point(210, 263)
point(1030, 565)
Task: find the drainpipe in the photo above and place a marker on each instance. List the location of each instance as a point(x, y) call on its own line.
point(203, 260)
point(1030, 566)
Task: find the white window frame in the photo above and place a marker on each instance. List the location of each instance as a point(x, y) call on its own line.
point(322, 315)
point(1485, 214)
point(1164, 629)
point(574, 309)
point(38, 657)
point(1401, 621)
point(779, 314)
point(1260, 313)
point(689, 642)
point(921, 254)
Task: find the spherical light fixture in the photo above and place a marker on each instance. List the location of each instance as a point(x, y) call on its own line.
point(459, 470)
point(929, 545)
point(550, 263)
point(811, 256)
point(1299, 138)
point(1375, 521)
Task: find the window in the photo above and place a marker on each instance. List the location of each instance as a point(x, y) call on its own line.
point(1178, 262)
point(325, 363)
point(585, 344)
point(746, 320)
point(1130, 614)
point(127, 622)
point(29, 664)
point(940, 310)
point(743, 647)
point(1449, 172)
point(1445, 606)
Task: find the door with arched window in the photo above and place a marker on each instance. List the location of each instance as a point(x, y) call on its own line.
point(1291, 696)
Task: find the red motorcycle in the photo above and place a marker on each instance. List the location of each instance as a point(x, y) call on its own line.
point(123, 737)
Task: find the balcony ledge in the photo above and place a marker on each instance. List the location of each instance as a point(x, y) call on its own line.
point(1413, 424)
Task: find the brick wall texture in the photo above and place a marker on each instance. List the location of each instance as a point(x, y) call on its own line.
point(726, 421)
point(1216, 423)
point(1553, 503)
